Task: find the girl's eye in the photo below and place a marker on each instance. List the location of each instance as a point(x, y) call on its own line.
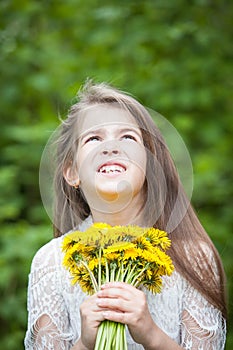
point(92, 138)
point(129, 137)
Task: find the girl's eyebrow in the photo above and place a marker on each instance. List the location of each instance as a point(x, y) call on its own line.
point(119, 131)
point(133, 129)
point(91, 132)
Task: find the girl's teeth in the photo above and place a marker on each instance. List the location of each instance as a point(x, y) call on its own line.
point(111, 169)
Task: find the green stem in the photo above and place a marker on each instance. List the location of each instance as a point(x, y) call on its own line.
point(107, 270)
point(122, 272)
point(100, 339)
point(131, 274)
point(120, 337)
point(118, 275)
point(112, 275)
point(99, 270)
point(111, 336)
point(136, 280)
point(93, 280)
point(125, 272)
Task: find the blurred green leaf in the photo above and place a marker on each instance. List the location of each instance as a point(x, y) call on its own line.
point(174, 58)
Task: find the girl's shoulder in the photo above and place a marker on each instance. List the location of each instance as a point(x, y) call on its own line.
point(49, 254)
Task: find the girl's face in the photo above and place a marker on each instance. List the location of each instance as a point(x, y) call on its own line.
point(111, 158)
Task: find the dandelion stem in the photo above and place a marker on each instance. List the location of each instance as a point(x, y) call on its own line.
point(99, 269)
point(93, 280)
point(125, 272)
point(136, 280)
point(107, 270)
point(112, 276)
point(122, 272)
point(131, 273)
point(100, 339)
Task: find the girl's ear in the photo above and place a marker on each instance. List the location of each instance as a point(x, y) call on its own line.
point(71, 177)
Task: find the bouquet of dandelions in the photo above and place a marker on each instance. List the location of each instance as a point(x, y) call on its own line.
point(105, 253)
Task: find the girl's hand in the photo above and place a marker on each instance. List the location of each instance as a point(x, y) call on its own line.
point(91, 317)
point(124, 303)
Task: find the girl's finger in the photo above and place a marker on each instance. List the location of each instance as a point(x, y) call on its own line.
point(120, 285)
point(119, 290)
point(114, 304)
point(115, 316)
point(114, 293)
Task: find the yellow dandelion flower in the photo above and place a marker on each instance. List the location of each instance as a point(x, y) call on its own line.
point(118, 247)
point(82, 277)
point(68, 257)
point(68, 261)
point(69, 241)
point(148, 274)
point(151, 236)
point(76, 253)
point(77, 250)
point(73, 269)
point(91, 236)
point(164, 243)
point(78, 272)
point(157, 237)
point(87, 251)
point(101, 225)
point(143, 243)
point(154, 284)
point(135, 231)
point(97, 234)
point(93, 264)
point(111, 256)
point(167, 269)
point(87, 286)
point(150, 256)
point(164, 261)
point(131, 254)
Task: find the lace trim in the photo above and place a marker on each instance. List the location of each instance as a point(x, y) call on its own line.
point(44, 335)
point(202, 327)
point(195, 337)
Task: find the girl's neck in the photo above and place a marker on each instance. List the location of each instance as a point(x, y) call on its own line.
point(123, 211)
point(125, 217)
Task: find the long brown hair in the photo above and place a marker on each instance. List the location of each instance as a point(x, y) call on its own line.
point(192, 251)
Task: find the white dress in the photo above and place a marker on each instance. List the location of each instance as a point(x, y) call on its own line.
point(179, 310)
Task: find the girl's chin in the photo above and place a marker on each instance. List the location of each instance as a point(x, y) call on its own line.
point(113, 196)
point(115, 191)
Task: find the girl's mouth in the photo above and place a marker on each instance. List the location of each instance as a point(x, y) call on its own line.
point(112, 169)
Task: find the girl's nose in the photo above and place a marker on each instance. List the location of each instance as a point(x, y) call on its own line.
point(110, 151)
point(110, 148)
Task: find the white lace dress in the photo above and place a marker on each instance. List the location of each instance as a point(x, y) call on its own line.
point(180, 311)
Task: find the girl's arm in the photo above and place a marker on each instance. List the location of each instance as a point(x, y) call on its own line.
point(202, 326)
point(48, 319)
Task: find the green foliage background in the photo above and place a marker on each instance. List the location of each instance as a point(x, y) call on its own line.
point(175, 56)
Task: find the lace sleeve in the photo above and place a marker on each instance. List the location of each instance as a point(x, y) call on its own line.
point(203, 326)
point(48, 321)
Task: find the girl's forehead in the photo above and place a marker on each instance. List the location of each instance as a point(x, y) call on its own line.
point(101, 116)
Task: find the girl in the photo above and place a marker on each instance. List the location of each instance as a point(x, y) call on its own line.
point(113, 166)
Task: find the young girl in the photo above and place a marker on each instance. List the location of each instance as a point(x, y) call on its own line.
point(113, 166)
